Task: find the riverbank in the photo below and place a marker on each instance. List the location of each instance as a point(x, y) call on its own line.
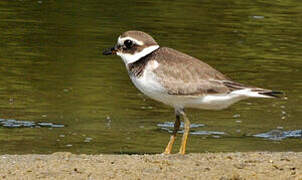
point(223, 166)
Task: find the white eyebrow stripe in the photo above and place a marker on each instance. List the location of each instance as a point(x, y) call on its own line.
point(121, 40)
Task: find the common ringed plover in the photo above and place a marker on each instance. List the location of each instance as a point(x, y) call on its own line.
point(178, 80)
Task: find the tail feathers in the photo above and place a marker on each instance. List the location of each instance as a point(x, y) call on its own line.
point(275, 94)
point(250, 91)
point(257, 93)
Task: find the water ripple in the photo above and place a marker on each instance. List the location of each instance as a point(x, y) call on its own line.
point(12, 123)
point(168, 126)
point(277, 134)
point(171, 125)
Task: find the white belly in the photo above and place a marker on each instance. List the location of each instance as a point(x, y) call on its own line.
point(149, 85)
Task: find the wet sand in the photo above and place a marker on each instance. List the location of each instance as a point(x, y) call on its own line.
point(222, 166)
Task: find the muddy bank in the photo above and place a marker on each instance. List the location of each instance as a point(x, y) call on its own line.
point(254, 165)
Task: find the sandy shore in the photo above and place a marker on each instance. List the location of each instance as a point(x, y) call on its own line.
point(223, 166)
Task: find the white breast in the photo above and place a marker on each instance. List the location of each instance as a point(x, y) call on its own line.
point(148, 83)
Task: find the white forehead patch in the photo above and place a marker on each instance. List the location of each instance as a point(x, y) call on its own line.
point(121, 40)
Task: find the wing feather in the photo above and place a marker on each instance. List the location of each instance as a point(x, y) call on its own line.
point(182, 74)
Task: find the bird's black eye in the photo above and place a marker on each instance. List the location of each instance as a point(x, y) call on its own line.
point(128, 43)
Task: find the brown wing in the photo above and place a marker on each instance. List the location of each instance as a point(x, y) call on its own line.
point(181, 74)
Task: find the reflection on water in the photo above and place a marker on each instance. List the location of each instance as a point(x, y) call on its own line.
point(275, 135)
point(194, 129)
point(12, 123)
point(52, 71)
point(279, 134)
point(171, 125)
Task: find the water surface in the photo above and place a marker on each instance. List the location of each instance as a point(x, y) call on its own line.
point(52, 71)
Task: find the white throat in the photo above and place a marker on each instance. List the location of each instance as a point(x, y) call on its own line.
point(130, 58)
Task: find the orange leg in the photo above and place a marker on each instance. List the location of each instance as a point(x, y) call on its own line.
point(173, 136)
point(182, 149)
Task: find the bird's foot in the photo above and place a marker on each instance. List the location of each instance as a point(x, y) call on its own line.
point(166, 153)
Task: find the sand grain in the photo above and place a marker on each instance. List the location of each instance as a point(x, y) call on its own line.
point(222, 166)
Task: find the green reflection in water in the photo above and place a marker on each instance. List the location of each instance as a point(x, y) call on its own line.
point(52, 70)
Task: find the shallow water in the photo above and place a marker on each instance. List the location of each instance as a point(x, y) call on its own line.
point(52, 71)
